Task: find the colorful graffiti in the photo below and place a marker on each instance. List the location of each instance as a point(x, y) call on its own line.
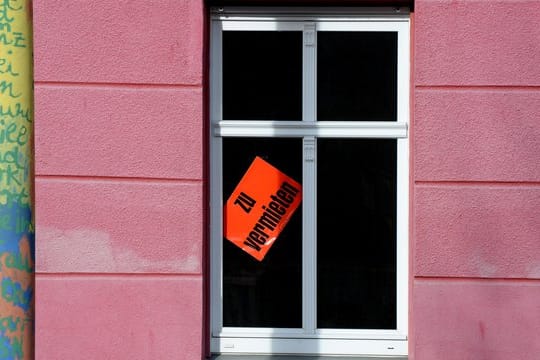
point(16, 182)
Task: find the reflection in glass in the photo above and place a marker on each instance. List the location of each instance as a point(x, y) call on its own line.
point(267, 293)
point(357, 76)
point(356, 233)
point(262, 75)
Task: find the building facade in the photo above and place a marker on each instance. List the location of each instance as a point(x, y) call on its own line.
point(130, 128)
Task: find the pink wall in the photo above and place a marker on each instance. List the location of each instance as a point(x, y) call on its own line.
point(119, 187)
point(476, 219)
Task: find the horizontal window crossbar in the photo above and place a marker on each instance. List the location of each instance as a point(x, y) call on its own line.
point(347, 129)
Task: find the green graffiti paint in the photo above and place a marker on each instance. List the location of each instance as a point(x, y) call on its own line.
point(19, 262)
point(11, 348)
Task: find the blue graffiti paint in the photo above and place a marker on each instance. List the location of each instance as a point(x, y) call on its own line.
point(13, 292)
point(9, 323)
point(15, 224)
point(10, 348)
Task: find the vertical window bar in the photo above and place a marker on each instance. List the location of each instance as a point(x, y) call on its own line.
point(216, 202)
point(309, 104)
point(403, 94)
point(309, 107)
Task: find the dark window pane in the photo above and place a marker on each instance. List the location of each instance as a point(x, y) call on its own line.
point(356, 234)
point(267, 293)
point(357, 76)
point(262, 75)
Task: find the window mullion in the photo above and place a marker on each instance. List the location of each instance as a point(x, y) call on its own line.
point(216, 203)
point(309, 103)
point(309, 110)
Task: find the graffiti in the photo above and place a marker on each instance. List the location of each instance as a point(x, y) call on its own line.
point(15, 111)
point(15, 39)
point(16, 173)
point(9, 197)
point(6, 67)
point(13, 134)
point(17, 261)
point(6, 87)
point(11, 347)
point(14, 293)
point(12, 157)
point(9, 176)
point(9, 323)
point(6, 6)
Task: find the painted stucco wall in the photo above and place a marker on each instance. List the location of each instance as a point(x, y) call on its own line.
point(119, 165)
point(119, 187)
point(476, 220)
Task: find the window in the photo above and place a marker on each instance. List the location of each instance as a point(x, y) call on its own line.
point(322, 95)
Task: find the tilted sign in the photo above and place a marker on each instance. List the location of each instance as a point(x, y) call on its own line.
point(259, 208)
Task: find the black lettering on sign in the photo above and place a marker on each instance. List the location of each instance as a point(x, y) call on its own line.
point(245, 201)
point(272, 215)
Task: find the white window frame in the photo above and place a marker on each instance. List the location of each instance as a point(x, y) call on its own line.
point(309, 339)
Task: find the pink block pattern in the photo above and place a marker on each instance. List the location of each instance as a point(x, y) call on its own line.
point(118, 226)
point(477, 231)
point(113, 317)
point(477, 135)
point(126, 132)
point(470, 42)
point(158, 42)
point(476, 320)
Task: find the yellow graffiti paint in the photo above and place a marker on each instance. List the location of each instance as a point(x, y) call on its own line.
point(16, 181)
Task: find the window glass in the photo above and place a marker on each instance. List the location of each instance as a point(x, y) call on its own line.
point(356, 76)
point(356, 233)
point(266, 293)
point(262, 75)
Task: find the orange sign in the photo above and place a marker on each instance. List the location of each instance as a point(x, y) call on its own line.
point(260, 207)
